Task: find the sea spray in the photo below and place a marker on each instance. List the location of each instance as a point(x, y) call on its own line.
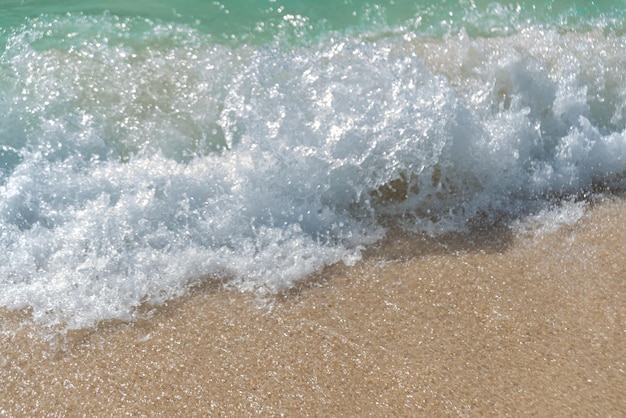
point(140, 156)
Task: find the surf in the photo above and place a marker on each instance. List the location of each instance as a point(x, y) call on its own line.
point(142, 155)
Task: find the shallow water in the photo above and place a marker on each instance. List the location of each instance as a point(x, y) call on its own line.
point(145, 148)
point(503, 321)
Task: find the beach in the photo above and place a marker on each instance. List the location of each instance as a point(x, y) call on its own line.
point(298, 208)
point(494, 323)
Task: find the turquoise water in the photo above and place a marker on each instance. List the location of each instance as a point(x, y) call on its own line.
point(146, 146)
point(257, 21)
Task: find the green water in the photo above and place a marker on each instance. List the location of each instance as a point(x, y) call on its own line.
point(264, 20)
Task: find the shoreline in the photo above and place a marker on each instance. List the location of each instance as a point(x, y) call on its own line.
point(493, 323)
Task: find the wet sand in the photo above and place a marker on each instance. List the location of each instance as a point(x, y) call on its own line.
point(489, 324)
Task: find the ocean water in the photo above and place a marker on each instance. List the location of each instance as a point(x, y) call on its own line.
point(147, 146)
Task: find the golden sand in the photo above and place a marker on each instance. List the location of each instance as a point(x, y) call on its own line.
point(488, 324)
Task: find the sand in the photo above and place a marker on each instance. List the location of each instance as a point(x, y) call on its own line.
point(490, 324)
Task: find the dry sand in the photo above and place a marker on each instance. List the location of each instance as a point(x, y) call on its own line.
point(490, 324)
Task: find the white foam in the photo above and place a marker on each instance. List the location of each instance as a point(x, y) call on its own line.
point(550, 219)
point(137, 166)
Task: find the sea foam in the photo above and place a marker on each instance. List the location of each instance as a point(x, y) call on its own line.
point(140, 158)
